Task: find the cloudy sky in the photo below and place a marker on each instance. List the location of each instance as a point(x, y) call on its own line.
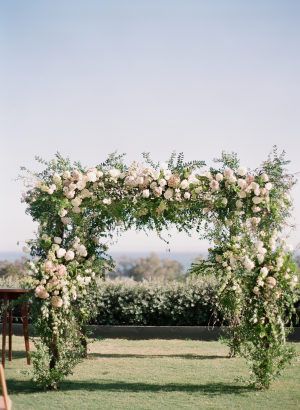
point(89, 77)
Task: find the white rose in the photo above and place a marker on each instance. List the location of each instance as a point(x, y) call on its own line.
point(129, 180)
point(214, 185)
point(208, 175)
point(41, 292)
point(219, 177)
point(242, 194)
point(242, 171)
point(51, 189)
point(155, 175)
point(114, 173)
point(81, 251)
point(76, 201)
point(260, 258)
point(242, 183)
point(146, 193)
point(263, 191)
point(239, 204)
point(56, 179)
point(66, 221)
point(157, 191)
point(224, 201)
point(44, 188)
point(256, 200)
point(99, 174)
point(87, 280)
point(91, 176)
point(271, 282)
point(228, 173)
point(56, 301)
point(60, 253)
point(255, 220)
point(76, 174)
point(85, 193)
point(269, 186)
point(265, 177)
point(169, 193)
point(70, 194)
point(62, 213)
point(184, 184)
point(81, 184)
point(259, 244)
point(256, 291)
point(167, 174)
point(256, 191)
point(106, 201)
point(254, 186)
point(57, 240)
point(69, 255)
point(192, 179)
point(66, 175)
point(187, 195)
point(139, 180)
point(264, 272)
point(162, 182)
point(232, 179)
point(55, 247)
point(248, 263)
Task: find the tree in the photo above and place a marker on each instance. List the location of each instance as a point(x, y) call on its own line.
point(12, 270)
point(149, 268)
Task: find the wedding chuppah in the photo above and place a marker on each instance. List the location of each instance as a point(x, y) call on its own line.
point(242, 212)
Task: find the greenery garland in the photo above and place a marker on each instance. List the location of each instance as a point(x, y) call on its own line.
point(243, 213)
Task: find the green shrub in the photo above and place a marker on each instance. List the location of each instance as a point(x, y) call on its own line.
point(190, 303)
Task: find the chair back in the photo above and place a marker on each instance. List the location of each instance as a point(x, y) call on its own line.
point(5, 402)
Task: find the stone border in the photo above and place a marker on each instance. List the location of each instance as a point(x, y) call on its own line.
point(157, 332)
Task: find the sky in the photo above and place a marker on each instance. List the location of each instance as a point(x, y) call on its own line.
point(86, 78)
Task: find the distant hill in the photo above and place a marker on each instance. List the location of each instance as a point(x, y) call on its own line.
point(185, 258)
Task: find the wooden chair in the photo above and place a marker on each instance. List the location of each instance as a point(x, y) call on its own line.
point(8, 295)
point(5, 402)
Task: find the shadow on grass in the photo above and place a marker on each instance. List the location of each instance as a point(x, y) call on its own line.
point(208, 389)
point(17, 354)
point(151, 356)
point(20, 354)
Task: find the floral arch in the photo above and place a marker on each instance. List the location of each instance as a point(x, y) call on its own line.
point(241, 212)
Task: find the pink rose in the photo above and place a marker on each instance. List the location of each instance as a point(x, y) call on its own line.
point(48, 266)
point(61, 270)
point(56, 301)
point(41, 292)
point(249, 179)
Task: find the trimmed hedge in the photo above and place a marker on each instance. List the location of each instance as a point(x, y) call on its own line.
point(190, 303)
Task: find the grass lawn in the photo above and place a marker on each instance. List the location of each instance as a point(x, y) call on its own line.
point(153, 374)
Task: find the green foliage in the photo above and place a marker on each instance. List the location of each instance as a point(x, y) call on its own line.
point(190, 303)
